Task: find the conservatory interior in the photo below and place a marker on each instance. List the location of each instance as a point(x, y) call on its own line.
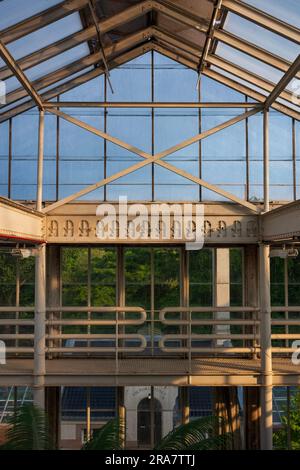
point(157, 103)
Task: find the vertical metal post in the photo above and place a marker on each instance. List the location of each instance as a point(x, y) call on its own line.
point(266, 350)
point(152, 418)
point(121, 413)
point(39, 194)
point(294, 160)
point(39, 327)
point(185, 406)
point(266, 161)
point(88, 414)
point(288, 412)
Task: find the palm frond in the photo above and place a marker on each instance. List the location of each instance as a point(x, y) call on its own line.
point(28, 430)
point(109, 437)
point(199, 434)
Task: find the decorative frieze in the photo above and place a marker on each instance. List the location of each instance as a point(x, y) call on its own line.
point(79, 225)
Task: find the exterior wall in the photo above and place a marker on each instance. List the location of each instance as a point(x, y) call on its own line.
point(133, 395)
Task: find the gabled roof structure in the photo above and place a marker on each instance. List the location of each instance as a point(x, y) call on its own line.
point(48, 51)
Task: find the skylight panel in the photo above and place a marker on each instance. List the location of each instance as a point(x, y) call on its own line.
point(45, 36)
point(247, 62)
point(285, 10)
point(14, 11)
point(261, 37)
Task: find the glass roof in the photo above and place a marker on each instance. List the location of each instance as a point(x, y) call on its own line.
point(45, 36)
point(261, 37)
point(14, 11)
point(249, 63)
point(261, 78)
point(285, 10)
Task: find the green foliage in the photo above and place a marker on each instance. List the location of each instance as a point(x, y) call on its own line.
point(28, 430)
point(109, 437)
point(280, 438)
point(198, 434)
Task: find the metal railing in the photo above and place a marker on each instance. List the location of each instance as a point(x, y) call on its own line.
point(128, 331)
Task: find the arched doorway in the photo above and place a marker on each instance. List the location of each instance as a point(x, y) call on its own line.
point(149, 431)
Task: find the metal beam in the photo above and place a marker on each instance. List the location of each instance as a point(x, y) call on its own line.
point(263, 19)
point(40, 166)
point(183, 15)
point(152, 159)
point(209, 37)
point(18, 73)
point(41, 19)
point(282, 84)
point(266, 146)
point(77, 81)
point(79, 65)
point(143, 104)
point(75, 39)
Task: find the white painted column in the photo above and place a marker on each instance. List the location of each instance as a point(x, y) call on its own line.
point(266, 430)
point(222, 290)
point(39, 327)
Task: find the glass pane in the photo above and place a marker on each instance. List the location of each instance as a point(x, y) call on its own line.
point(132, 81)
point(13, 11)
point(74, 276)
point(81, 153)
point(103, 276)
point(173, 81)
point(262, 37)
point(138, 277)
point(167, 277)
point(287, 11)
point(201, 277)
point(247, 62)
point(212, 91)
point(45, 36)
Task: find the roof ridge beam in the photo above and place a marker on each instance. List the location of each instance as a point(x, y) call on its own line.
point(29, 25)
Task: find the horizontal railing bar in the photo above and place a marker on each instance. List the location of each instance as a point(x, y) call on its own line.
point(210, 309)
point(196, 336)
point(16, 336)
point(16, 309)
point(283, 350)
point(95, 349)
point(285, 309)
point(210, 322)
point(285, 322)
point(95, 336)
point(19, 350)
point(79, 322)
point(286, 336)
point(221, 349)
point(96, 309)
point(15, 322)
